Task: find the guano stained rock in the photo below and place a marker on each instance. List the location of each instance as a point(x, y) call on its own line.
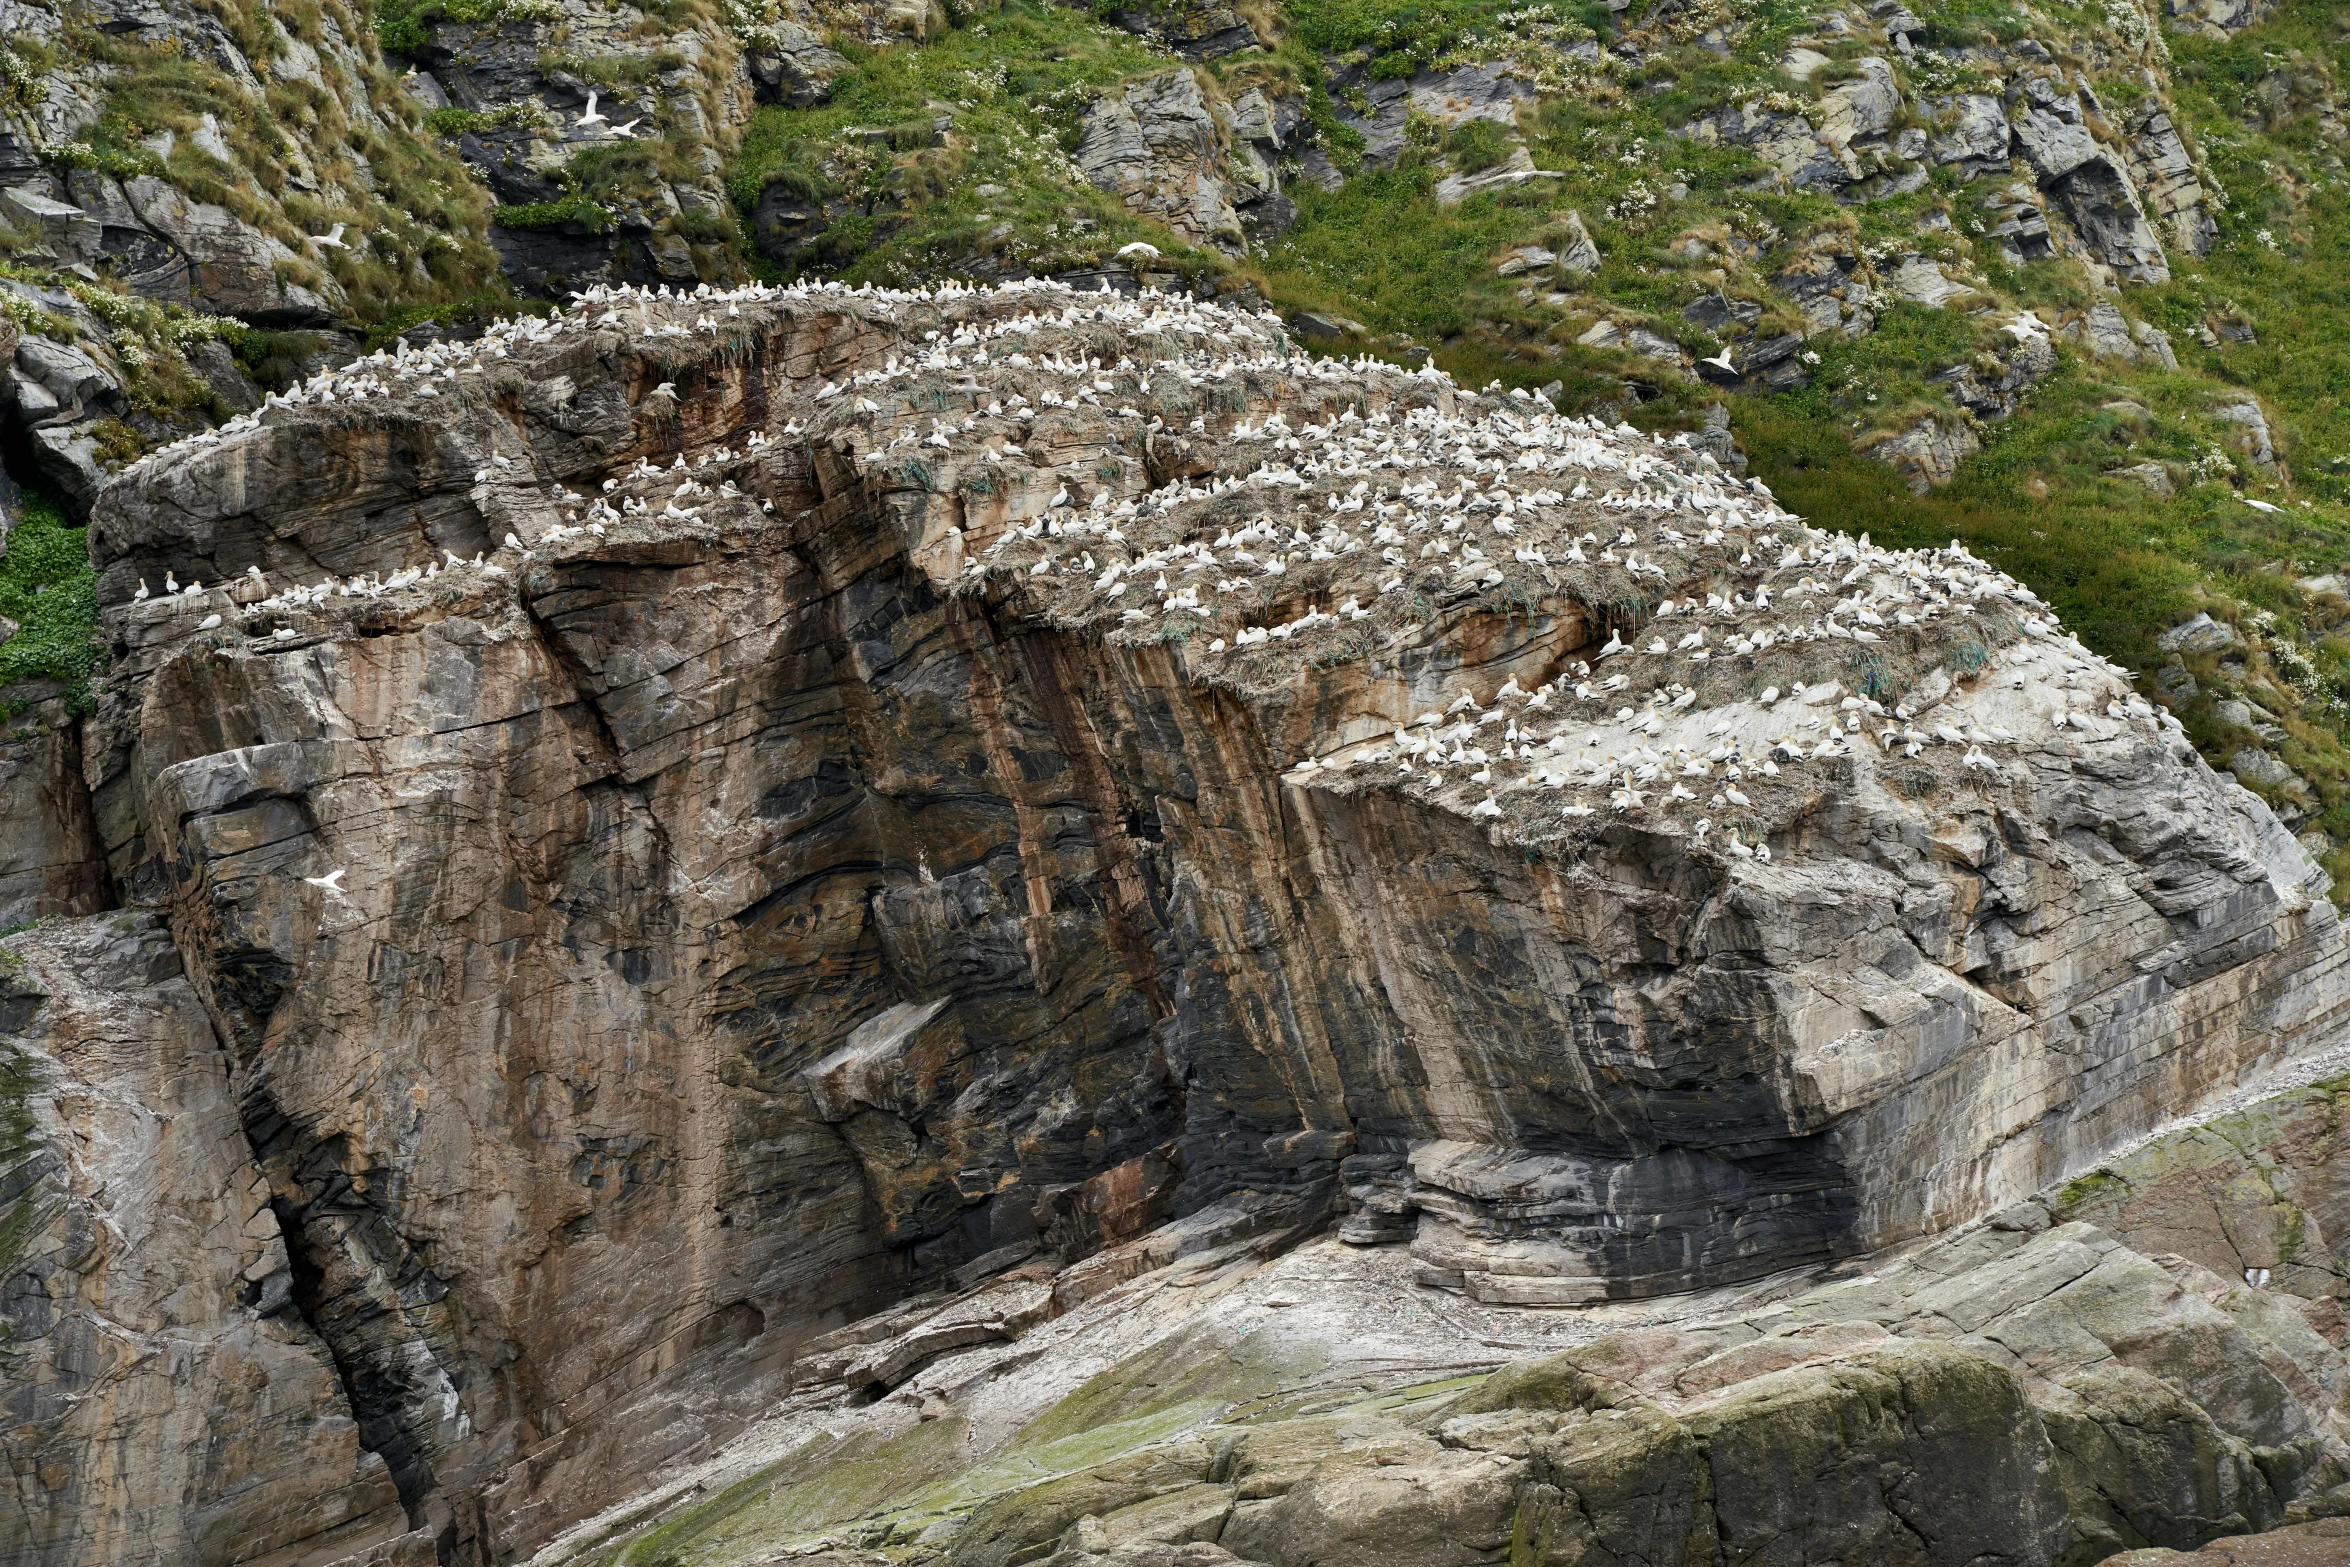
point(704, 819)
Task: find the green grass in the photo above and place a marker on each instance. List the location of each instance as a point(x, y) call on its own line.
point(49, 589)
point(1400, 37)
point(593, 216)
point(402, 28)
point(1001, 194)
point(419, 217)
point(460, 122)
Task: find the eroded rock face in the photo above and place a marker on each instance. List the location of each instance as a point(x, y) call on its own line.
point(165, 1403)
point(2051, 1386)
point(50, 860)
point(1156, 148)
point(864, 859)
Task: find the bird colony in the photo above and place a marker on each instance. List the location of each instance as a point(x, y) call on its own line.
point(1161, 472)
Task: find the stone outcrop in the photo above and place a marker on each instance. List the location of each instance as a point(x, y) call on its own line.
point(2053, 136)
point(1156, 147)
point(794, 67)
point(1928, 453)
point(1007, 790)
point(2166, 178)
point(1196, 31)
point(2137, 1362)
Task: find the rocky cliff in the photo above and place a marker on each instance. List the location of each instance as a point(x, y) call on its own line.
point(713, 849)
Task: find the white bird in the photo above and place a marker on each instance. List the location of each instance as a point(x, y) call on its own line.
point(142, 595)
point(590, 116)
point(332, 881)
point(627, 128)
point(1728, 366)
point(1138, 248)
point(208, 623)
point(330, 241)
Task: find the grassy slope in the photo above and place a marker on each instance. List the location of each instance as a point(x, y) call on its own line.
point(1003, 193)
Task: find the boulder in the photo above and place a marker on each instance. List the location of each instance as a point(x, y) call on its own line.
point(1515, 169)
point(1719, 314)
point(2256, 766)
point(2154, 344)
point(1265, 133)
point(2105, 332)
point(65, 231)
point(1976, 139)
point(1919, 280)
point(2200, 635)
point(1863, 107)
point(1580, 255)
point(1524, 259)
point(1194, 29)
point(2164, 169)
point(2216, 18)
point(2090, 183)
point(73, 380)
point(1928, 453)
point(1478, 91)
point(2255, 440)
point(66, 457)
point(139, 258)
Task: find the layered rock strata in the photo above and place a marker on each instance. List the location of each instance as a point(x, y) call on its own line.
point(699, 818)
point(2096, 1370)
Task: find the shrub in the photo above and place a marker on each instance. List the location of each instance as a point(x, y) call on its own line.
point(49, 589)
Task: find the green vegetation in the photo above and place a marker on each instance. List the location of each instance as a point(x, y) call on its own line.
point(593, 216)
point(401, 28)
point(170, 111)
point(1001, 192)
point(1401, 38)
point(48, 588)
point(455, 122)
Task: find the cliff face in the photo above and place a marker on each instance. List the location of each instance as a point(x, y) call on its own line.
point(720, 814)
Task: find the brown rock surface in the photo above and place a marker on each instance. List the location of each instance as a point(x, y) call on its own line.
point(164, 1403)
point(786, 880)
point(51, 862)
